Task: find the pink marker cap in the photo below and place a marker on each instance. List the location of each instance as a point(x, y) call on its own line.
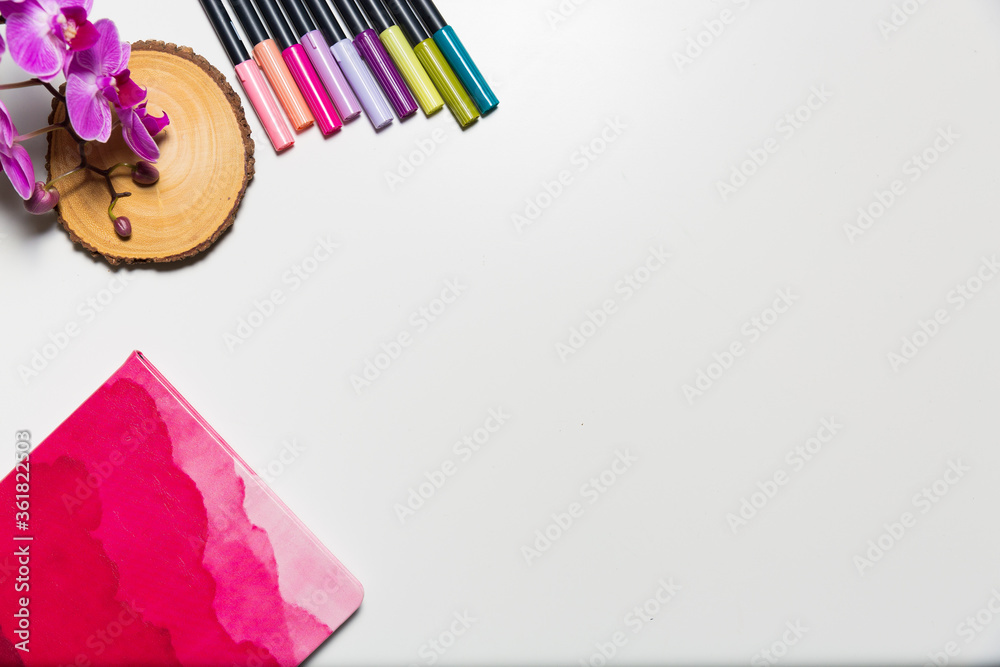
point(312, 89)
point(265, 105)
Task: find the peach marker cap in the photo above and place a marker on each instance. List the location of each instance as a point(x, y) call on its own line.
point(269, 58)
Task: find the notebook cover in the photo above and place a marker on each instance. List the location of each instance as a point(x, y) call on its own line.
point(153, 543)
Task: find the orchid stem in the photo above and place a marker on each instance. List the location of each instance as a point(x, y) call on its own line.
point(38, 133)
point(115, 195)
point(34, 82)
point(55, 93)
point(105, 173)
point(20, 84)
point(114, 200)
point(59, 178)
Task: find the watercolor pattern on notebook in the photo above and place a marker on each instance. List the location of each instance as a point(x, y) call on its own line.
point(152, 542)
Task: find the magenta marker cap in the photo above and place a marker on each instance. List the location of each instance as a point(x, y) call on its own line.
point(318, 51)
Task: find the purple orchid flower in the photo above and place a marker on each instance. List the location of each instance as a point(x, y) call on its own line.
point(139, 128)
point(91, 73)
point(98, 76)
point(14, 158)
point(43, 34)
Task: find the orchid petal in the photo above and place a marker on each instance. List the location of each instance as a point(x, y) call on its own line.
point(153, 124)
point(7, 130)
point(86, 5)
point(88, 110)
point(86, 37)
point(108, 45)
point(104, 56)
point(137, 136)
point(8, 7)
point(130, 93)
point(19, 169)
point(86, 34)
point(32, 44)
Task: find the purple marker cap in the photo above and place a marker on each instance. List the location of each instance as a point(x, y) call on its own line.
point(381, 65)
point(400, 97)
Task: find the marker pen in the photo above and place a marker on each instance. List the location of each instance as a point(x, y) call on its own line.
point(456, 54)
point(351, 64)
point(302, 70)
point(266, 53)
point(441, 73)
point(322, 59)
point(371, 49)
point(250, 77)
point(402, 54)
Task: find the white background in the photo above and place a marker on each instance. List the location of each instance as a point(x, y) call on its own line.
point(525, 289)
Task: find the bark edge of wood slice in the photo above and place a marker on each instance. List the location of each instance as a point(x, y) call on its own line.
point(206, 163)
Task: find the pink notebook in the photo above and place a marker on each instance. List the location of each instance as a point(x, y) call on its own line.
point(148, 541)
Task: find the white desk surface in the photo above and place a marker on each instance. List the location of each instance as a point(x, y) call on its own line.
point(844, 295)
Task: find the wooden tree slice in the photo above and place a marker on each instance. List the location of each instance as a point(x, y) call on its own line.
point(206, 162)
